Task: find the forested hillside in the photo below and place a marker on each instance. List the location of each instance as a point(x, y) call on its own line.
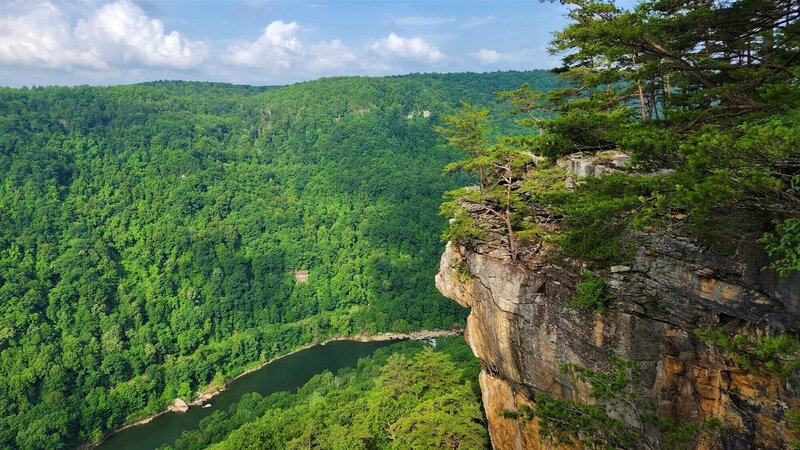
point(406, 396)
point(150, 234)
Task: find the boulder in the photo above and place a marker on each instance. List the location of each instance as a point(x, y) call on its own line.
point(179, 406)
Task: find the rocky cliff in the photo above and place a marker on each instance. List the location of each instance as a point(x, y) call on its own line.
point(522, 330)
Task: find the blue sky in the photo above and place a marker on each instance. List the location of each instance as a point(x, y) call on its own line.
point(263, 42)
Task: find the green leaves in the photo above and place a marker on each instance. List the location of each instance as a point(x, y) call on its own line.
point(667, 83)
point(466, 130)
point(606, 385)
point(794, 428)
point(778, 354)
point(497, 167)
point(564, 422)
point(406, 397)
point(600, 210)
point(592, 293)
point(785, 245)
point(463, 229)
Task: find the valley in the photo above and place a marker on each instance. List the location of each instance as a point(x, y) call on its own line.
point(152, 233)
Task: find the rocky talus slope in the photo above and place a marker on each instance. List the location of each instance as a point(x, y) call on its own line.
point(522, 329)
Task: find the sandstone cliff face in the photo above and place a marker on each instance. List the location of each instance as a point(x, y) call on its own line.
point(522, 329)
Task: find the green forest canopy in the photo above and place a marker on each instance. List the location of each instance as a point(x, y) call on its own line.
point(406, 396)
point(149, 234)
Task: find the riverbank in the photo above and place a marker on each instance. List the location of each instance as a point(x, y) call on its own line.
point(414, 336)
point(204, 396)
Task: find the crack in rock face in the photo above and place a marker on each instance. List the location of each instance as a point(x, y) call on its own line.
point(522, 329)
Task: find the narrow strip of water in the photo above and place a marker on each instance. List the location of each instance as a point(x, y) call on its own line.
point(284, 374)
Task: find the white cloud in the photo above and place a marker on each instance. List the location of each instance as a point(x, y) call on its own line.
point(124, 41)
point(39, 34)
point(122, 33)
point(478, 21)
point(489, 57)
point(279, 49)
point(332, 55)
point(415, 49)
point(419, 21)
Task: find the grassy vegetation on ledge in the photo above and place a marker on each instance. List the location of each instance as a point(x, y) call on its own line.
point(592, 293)
point(778, 354)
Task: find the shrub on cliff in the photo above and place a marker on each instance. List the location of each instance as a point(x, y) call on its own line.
point(592, 293)
point(620, 418)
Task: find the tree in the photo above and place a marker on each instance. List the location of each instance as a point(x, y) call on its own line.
point(466, 130)
point(706, 90)
point(528, 102)
point(498, 167)
point(442, 422)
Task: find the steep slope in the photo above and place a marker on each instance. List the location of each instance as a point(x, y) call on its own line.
point(152, 237)
point(523, 329)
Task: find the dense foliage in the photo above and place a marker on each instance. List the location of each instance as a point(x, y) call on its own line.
point(406, 396)
point(150, 234)
point(705, 99)
point(778, 354)
point(591, 293)
point(710, 90)
point(703, 95)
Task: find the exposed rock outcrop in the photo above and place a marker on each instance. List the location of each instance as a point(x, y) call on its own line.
point(522, 329)
point(589, 164)
point(178, 406)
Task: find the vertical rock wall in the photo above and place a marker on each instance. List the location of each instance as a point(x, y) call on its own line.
point(522, 330)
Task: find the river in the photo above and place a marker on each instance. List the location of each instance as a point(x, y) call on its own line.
point(284, 374)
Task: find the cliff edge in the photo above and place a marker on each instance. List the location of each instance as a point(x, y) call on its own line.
point(523, 330)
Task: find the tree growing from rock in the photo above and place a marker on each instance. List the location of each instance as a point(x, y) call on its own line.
point(499, 168)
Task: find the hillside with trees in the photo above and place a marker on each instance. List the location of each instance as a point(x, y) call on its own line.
point(407, 395)
point(150, 234)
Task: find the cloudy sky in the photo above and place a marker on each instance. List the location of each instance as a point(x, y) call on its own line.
point(265, 42)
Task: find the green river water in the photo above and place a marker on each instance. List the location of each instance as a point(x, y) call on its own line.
point(285, 374)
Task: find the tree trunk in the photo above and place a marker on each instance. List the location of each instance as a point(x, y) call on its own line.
point(641, 92)
point(512, 247)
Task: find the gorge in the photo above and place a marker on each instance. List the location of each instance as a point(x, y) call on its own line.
point(284, 374)
point(617, 233)
point(151, 235)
